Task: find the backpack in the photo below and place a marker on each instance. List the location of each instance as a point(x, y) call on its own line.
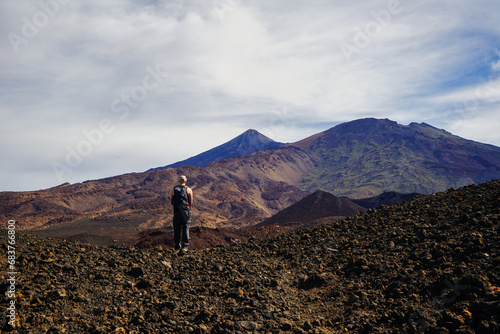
point(180, 199)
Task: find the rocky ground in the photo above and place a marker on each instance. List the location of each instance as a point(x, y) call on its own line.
point(428, 265)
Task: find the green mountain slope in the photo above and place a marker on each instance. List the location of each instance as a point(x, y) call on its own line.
point(366, 157)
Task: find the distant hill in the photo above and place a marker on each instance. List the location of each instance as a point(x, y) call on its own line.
point(320, 204)
point(248, 142)
point(367, 157)
point(386, 198)
point(233, 192)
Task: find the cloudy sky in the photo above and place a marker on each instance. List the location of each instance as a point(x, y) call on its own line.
point(91, 89)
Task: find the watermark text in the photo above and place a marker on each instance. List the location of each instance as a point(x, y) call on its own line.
point(11, 272)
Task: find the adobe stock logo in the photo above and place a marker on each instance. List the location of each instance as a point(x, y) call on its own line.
point(224, 6)
point(373, 28)
point(470, 105)
point(121, 109)
point(282, 120)
point(31, 27)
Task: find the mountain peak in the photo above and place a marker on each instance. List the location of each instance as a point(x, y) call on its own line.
point(366, 124)
point(248, 142)
point(251, 132)
point(252, 140)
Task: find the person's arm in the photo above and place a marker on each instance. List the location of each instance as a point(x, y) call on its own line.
point(190, 196)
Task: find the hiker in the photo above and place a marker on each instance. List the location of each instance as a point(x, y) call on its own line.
point(181, 200)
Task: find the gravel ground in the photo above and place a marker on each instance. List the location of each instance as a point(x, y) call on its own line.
point(428, 265)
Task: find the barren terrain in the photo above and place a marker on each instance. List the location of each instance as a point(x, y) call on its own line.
point(427, 265)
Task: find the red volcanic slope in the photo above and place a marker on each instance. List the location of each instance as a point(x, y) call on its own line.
point(315, 206)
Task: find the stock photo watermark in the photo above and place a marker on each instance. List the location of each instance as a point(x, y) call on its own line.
point(366, 35)
point(469, 105)
point(282, 119)
point(222, 7)
point(121, 108)
point(31, 26)
point(11, 272)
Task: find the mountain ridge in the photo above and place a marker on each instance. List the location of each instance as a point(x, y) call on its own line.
point(231, 192)
point(366, 157)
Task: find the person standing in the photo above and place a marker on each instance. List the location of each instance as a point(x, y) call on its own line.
point(181, 200)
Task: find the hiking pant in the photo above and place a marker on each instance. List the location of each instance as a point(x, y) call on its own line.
point(182, 220)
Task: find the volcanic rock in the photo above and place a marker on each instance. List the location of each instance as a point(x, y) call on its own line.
point(427, 265)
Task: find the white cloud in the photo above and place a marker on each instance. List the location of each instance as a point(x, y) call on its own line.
point(228, 66)
point(496, 62)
